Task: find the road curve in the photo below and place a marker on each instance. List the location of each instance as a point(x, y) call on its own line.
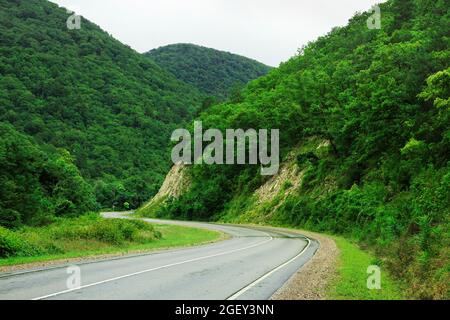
point(251, 265)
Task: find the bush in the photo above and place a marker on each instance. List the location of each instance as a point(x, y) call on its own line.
point(92, 227)
point(10, 218)
point(12, 244)
point(67, 233)
point(110, 232)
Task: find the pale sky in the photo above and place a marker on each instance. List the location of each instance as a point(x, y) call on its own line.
point(269, 31)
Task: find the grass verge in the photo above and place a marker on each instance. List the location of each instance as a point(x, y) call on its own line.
point(90, 236)
point(351, 280)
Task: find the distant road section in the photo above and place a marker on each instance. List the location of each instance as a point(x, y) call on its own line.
point(253, 264)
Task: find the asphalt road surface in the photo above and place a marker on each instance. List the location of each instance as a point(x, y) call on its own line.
point(252, 264)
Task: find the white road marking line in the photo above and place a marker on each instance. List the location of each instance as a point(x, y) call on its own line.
point(152, 269)
point(254, 283)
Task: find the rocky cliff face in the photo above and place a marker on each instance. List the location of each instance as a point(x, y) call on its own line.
point(175, 183)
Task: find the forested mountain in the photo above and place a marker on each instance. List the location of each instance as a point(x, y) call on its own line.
point(38, 183)
point(364, 118)
point(213, 72)
point(82, 91)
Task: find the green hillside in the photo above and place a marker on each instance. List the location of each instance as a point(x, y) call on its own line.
point(213, 72)
point(364, 118)
point(38, 183)
point(81, 90)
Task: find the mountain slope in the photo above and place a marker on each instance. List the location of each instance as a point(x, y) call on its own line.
point(212, 71)
point(364, 134)
point(37, 184)
point(82, 90)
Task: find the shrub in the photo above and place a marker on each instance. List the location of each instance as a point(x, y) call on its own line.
point(114, 231)
point(65, 232)
point(9, 218)
point(12, 244)
point(107, 231)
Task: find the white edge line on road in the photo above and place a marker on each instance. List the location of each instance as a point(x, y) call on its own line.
point(152, 269)
point(254, 283)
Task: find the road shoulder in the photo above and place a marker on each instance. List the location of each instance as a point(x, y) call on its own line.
point(311, 282)
point(19, 265)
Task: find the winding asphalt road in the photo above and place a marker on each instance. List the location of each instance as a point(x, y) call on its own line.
point(252, 264)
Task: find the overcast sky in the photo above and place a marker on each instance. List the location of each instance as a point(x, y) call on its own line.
point(270, 31)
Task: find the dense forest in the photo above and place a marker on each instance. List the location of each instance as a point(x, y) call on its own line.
point(85, 123)
point(215, 73)
point(365, 115)
point(38, 183)
point(109, 107)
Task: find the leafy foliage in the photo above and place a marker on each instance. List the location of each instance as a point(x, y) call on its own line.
point(215, 73)
point(65, 234)
point(110, 107)
point(38, 184)
point(380, 98)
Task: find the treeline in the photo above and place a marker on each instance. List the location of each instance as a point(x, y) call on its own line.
point(215, 73)
point(38, 183)
point(81, 90)
point(380, 99)
point(111, 109)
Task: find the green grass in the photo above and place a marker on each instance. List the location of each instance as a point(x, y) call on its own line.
point(148, 210)
point(351, 281)
point(91, 236)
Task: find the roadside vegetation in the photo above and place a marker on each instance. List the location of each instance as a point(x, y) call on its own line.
point(91, 235)
point(85, 92)
point(85, 123)
point(86, 95)
point(378, 103)
point(351, 279)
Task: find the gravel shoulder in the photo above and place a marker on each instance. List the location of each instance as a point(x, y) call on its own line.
point(312, 280)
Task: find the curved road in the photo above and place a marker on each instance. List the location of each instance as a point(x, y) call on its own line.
point(252, 264)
